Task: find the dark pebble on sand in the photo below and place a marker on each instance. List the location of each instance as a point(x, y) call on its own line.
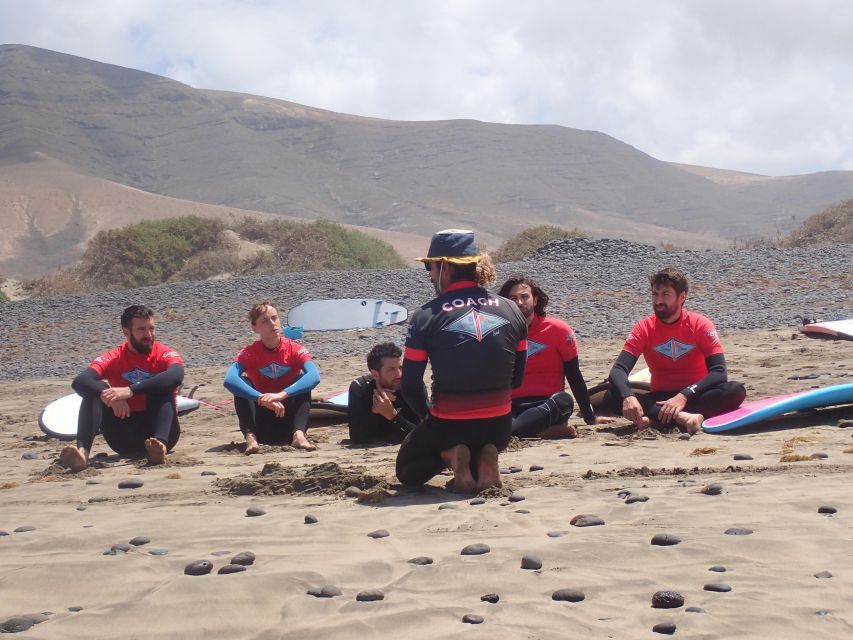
point(421, 560)
point(665, 540)
point(75, 609)
point(713, 489)
point(826, 509)
point(531, 562)
point(30, 455)
point(624, 493)
point(490, 597)
point(821, 612)
point(717, 587)
point(158, 552)
point(81, 507)
point(821, 455)
point(121, 547)
point(93, 481)
point(504, 471)
point(477, 549)
point(586, 520)
point(472, 618)
point(208, 473)
point(96, 499)
point(742, 456)
point(636, 498)
point(516, 497)
point(536, 467)
point(738, 531)
point(371, 595)
point(515, 469)
point(666, 628)
point(16, 625)
point(568, 595)
point(556, 534)
point(718, 568)
point(447, 505)
point(379, 533)
point(694, 610)
point(352, 492)
point(24, 529)
point(138, 541)
point(245, 558)
point(522, 511)
point(3, 533)
point(254, 512)
point(327, 591)
point(684, 436)
point(823, 575)
point(309, 519)
point(667, 600)
point(476, 501)
point(198, 568)
point(231, 568)
point(130, 483)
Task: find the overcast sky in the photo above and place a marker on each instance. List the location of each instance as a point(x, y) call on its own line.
point(756, 85)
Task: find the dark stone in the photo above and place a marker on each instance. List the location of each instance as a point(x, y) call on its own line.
point(823, 575)
point(472, 618)
point(717, 587)
point(30, 455)
point(208, 473)
point(666, 628)
point(504, 471)
point(624, 493)
point(3, 533)
point(476, 501)
point(684, 436)
point(477, 549)
point(694, 610)
point(379, 533)
point(821, 455)
point(371, 595)
point(522, 511)
point(516, 497)
point(665, 540)
point(536, 467)
point(586, 520)
point(198, 568)
point(138, 541)
point(352, 492)
point(515, 469)
point(24, 529)
point(93, 481)
point(158, 552)
point(742, 456)
point(667, 600)
point(121, 546)
point(16, 625)
point(738, 531)
point(490, 597)
point(447, 505)
point(718, 568)
point(231, 568)
point(821, 612)
point(636, 498)
point(81, 507)
point(531, 562)
point(556, 534)
point(826, 509)
point(95, 499)
point(254, 512)
point(130, 483)
point(421, 560)
point(327, 591)
point(246, 558)
point(713, 489)
point(568, 595)
point(309, 519)
point(75, 609)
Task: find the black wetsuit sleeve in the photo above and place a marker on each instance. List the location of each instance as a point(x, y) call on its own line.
point(362, 420)
point(579, 391)
point(412, 387)
point(717, 374)
point(88, 383)
point(619, 374)
point(518, 369)
point(163, 382)
point(406, 418)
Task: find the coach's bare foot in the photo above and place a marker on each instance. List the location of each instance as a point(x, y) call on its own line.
point(643, 424)
point(301, 442)
point(559, 432)
point(251, 444)
point(74, 458)
point(156, 451)
point(692, 422)
point(488, 471)
point(458, 458)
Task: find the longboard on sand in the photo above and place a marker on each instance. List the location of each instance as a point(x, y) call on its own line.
point(842, 329)
point(337, 403)
point(59, 418)
point(758, 410)
point(347, 313)
point(639, 381)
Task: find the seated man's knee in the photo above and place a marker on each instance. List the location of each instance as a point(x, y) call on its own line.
point(564, 403)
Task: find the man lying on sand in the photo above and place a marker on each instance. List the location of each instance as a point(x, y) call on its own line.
point(684, 355)
point(135, 408)
point(271, 380)
point(540, 406)
point(476, 343)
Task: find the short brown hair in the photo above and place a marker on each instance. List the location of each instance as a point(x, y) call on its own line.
point(258, 309)
point(135, 311)
point(669, 276)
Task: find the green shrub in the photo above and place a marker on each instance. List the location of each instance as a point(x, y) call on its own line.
point(532, 239)
point(833, 225)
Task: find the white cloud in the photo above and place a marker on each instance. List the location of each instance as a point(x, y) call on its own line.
point(756, 85)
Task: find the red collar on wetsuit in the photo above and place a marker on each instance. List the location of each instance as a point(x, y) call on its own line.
point(462, 284)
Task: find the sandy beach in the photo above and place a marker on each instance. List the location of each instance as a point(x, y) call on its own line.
point(195, 508)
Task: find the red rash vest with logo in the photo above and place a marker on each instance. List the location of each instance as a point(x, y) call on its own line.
point(271, 370)
point(675, 353)
point(121, 367)
point(470, 338)
point(550, 344)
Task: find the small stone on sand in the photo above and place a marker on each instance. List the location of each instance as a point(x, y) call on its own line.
point(516, 497)
point(665, 540)
point(636, 498)
point(208, 473)
point(24, 529)
point(684, 436)
point(477, 549)
point(586, 520)
point(820, 455)
point(515, 469)
point(246, 558)
point(472, 618)
point(738, 531)
point(81, 507)
point(826, 509)
point(121, 546)
point(713, 489)
point(667, 600)
point(138, 541)
point(531, 562)
point(490, 597)
point(93, 481)
point(352, 492)
point(718, 568)
point(694, 610)
point(522, 511)
point(3, 533)
point(666, 628)
point(75, 609)
point(823, 574)
point(742, 456)
point(96, 499)
point(717, 587)
point(536, 467)
point(309, 519)
point(130, 483)
point(158, 552)
point(556, 534)
point(16, 625)
point(30, 455)
point(231, 568)
point(254, 512)
point(447, 505)
point(568, 595)
point(476, 501)
point(624, 493)
point(379, 533)
point(371, 595)
point(421, 560)
point(327, 591)
point(198, 568)
point(504, 471)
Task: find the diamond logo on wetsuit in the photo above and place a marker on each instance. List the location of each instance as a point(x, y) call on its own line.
point(534, 347)
point(136, 375)
point(476, 324)
point(274, 371)
point(674, 349)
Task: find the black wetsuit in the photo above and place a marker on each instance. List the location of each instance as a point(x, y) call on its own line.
point(476, 343)
point(366, 426)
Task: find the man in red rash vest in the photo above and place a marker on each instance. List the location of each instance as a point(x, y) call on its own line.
point(685, 357)
point(540, 406)
point(135, 408)
point(476, 344)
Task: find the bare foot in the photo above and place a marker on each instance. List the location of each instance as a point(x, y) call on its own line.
point(643, 424)
point(559, 431)
point(690, 421)
point(488, 471)
point(458, 458)
point(156, 451)
point(251, 444)
point(74, 458)
point(301, 442)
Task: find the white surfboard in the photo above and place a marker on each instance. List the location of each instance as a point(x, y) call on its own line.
point(59, 418)
point(842, 329)
point(639, 381)
point(335, 404)
point(347, 313)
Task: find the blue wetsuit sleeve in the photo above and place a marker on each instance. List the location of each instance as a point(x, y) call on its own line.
point(236, 384)
point(305, 382)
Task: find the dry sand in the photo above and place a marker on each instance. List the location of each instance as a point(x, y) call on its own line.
point(774, 592)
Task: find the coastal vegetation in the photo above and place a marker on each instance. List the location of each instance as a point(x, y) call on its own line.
point(532, 239)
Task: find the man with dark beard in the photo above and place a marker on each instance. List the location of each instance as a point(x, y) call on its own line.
point(129, 395)
point(684, 355)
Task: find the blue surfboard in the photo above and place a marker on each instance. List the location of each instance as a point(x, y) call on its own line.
point(756, 411)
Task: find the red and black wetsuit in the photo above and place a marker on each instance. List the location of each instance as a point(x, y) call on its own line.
point(476, 343)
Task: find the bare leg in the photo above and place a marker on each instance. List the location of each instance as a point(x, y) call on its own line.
point(251, 443)
point(488, 471)
point(690, 421)
point(301, 442)
point(458, 458)
point(156, 451)
point(75, 458)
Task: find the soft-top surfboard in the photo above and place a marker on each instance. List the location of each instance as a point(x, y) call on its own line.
point(337, 403)
point(639, 381)
point(842, 329)
point(59, 418)
point(757, 410)
point(347, 313)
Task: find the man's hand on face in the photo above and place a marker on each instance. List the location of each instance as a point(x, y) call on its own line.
point(669, 409)
point(383, 403)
